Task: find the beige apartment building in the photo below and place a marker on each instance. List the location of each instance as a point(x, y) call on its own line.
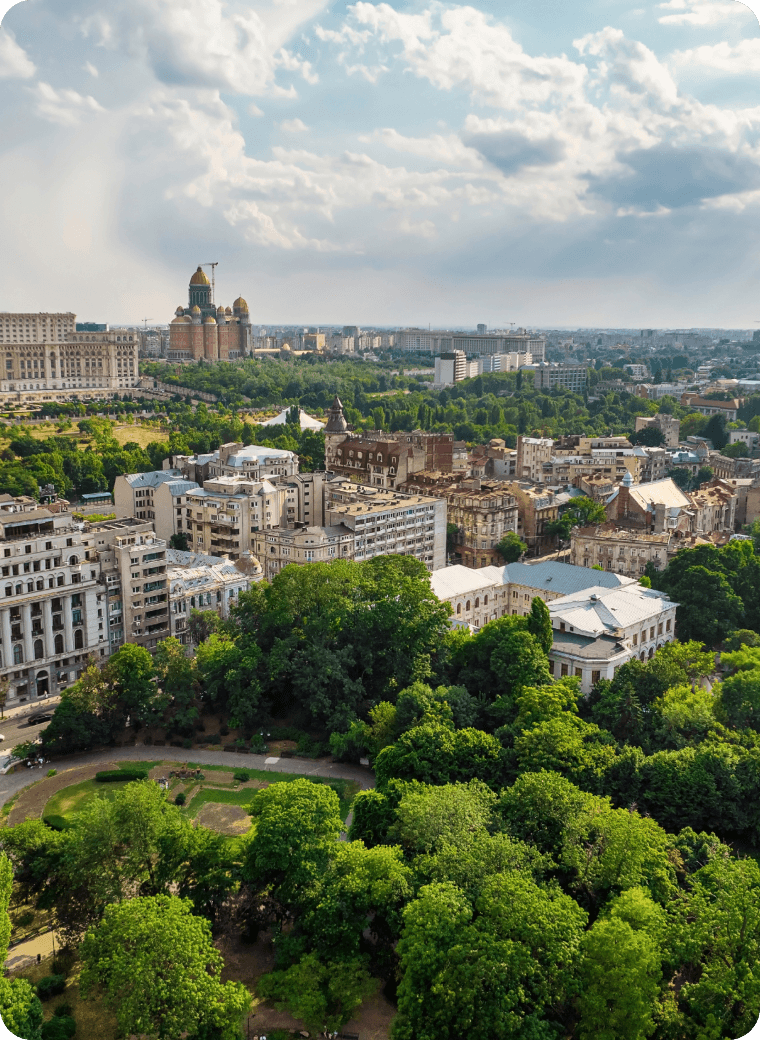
point(227, 514)
point(134, 494)
point(532, 454)
point(536, 508)
point(53, 605)
point(281, 546)
point(483, 511)
point(36, 328)
point(620, 550)
point(669, 427)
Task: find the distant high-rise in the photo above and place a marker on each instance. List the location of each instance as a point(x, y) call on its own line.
point(482, 329)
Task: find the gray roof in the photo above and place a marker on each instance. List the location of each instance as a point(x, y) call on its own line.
point(562, 578)
point(179, 487)
point(152, 478)
point(600, 649)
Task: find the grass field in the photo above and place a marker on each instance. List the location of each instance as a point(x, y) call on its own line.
point(73, 799)
point(94, 1021)
point(141, 435)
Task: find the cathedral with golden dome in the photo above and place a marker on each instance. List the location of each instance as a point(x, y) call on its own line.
point(202, 330)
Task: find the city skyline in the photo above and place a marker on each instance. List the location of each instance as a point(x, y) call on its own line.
point(446, 163)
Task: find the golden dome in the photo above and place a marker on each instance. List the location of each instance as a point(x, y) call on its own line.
point(240, 304)
point(180, 310)
point(195, 309)
point(209, 320)
point(228, 310)
point(199, 278)
point(220, 309)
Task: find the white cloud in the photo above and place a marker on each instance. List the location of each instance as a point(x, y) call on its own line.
point(14, 62)
point(739, 59)
point(66, 107)
point(89, 67)
point(701, 12)
point(293, 126)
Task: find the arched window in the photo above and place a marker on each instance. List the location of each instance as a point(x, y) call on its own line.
point(18, 654)
point(477, 602)
point(30, 586)
point(60, 580)
point(40, 584)
point(8, 590)
point(19, 589)
point(73, 561)
point(39, 651)
point(59, 644)
point(459, 608)
point(651, 651)
point(78, 639)
point(485, 601)
point(467, 605)
point(51, 583)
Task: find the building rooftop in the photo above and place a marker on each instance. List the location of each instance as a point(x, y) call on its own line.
point(663, 492)
point(152, 478)
point(562, 578)
point(597, 648)
point(459, 581)
point(598, 610)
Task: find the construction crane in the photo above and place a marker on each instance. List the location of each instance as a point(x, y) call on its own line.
point(145, 323)
point(212, 264)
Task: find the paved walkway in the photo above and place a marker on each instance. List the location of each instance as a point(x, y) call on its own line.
point(15, 782)
point(25, 953)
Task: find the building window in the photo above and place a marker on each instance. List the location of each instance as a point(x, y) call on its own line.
point(18, 654)
point(39, 652)
point(564, 669)
point(595, 677)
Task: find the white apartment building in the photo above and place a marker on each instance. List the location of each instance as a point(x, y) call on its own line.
point(748, 437)
point(532, 453)
point(389, 522)
point(131, 563)
point(133, 493)
point(558, 375)
point(438, 341)
point(200, 582)
point(52, 610)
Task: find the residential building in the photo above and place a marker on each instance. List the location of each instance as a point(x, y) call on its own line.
point(131, 563)
point(438, 341)
point(597, 630)
point(655, 464)
point(227, 513)
point(280, 546)
point(412, 523)
point(201, 582)
point(621, 550)
point(552, 375)
point(53, 606)
point(133, 493)
point(668, 426)
point(613, 463)
point(536, 508)
point(202, 330)
point(438, 447)
point(484, 511)
point(252, 461)
point(385, 462)
point(36, 328)
point(748, 437)
point(498, 461)
point(661, 507)
point(707, 406)
point(532, 453)
point(504, 362)
point(450, 368)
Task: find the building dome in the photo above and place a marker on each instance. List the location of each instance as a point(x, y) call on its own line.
point(220, 310)
point(199, 278)
point(228, 310)
point(180, 310)
point(209, 320)
point(240, 304)
point(179, 320)
point(195, 309)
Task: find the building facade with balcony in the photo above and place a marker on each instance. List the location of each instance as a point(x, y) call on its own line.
point(200, 582)
point(52, 605)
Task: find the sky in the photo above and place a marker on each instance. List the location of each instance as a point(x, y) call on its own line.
point(536, 162)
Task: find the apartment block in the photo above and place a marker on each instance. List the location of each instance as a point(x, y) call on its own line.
point(552, 375)
point(200, 582)
point(536, 508)
point(410, 524)
point(669, 427)
point(532, 454)
point(483, 511)
point(53, 606)
point(279, 547)
point(226, 514)
point(132, 568)
point(236, 460)
point(134, 493)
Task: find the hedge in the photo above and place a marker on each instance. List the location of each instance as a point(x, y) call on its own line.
point(50, 985)
point(109, 776)
point(62, 1027)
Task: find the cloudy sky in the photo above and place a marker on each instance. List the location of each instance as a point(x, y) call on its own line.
point(531, 161)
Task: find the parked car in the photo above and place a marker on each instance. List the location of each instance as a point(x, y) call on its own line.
point(43, 716)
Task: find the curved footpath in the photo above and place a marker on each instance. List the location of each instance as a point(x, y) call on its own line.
point(15, 782)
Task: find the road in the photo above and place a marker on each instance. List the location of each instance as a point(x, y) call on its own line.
point(15, 728)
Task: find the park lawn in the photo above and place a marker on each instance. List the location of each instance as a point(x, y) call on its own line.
point(73, 799)
point(141, 435)
point(94, 1020)
point(210, 794)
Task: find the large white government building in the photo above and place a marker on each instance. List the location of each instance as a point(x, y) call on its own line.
point(45, 357)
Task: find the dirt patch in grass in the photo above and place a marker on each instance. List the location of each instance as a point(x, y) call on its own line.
point(225, 819)
point(32, 801)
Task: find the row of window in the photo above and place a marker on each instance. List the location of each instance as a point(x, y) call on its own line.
point(17, 651)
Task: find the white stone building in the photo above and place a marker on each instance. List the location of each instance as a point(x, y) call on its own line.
point(200, 582)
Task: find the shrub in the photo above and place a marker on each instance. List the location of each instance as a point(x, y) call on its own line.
point(61, 1027)
point(51, 986)
point(56, 823)
point(110, 776)
point(26, 918)
point(64, 1011)
point(51, 772)
point(242, 776)
point(214, 739)
point(180, 799)
point(187, 743)
point(258, 744)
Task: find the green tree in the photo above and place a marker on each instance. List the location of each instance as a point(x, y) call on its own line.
point(715, 430)
point(429, 817)
point(130, 671)
point(323, 995)
point(179, 541)
point(156, 967)
point(540, 623)
point(436, 754)
point(511, 547)
point(20, 1008)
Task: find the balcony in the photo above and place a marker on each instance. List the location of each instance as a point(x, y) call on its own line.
point(220, 518)
point(151, 586)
